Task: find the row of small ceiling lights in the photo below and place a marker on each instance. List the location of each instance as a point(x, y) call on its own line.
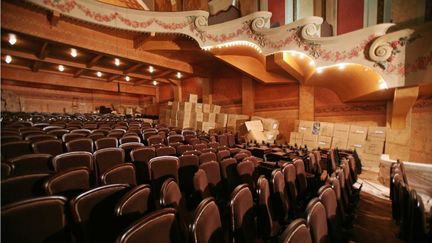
point(74, 53)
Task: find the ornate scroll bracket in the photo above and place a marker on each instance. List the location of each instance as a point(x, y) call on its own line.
point(385, 49)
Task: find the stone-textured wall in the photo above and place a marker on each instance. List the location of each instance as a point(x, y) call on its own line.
point(19, 98)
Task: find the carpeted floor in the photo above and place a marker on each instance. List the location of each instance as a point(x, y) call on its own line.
point(373, 222)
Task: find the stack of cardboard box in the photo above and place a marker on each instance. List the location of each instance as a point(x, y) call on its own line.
point(367, 141)
point(374, 147)
point(270, 127)
point(190, 114)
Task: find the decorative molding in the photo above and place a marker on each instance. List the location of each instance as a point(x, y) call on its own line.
point(351, 108)
point(277, 105)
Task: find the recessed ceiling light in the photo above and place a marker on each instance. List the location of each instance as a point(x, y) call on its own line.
point(117, 62)
point(319, 70)
point(179, 75)
point(61, 68)
point(151, 69)
point(312, 63)
point(155, 82)
point(99, 74)
point(73, 52)
point(127, 78)
point(8, 59)
point(301, 55)
point(382, 84)
point(341, 66)
point(12, 39)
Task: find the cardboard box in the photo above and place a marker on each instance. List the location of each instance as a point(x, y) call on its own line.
point(175, 105)
point(341, 131)
point(358, 133)
point(193, 98)
point(376, 133)
point(324, 141)
point(254, 126)
point(270, 124)
point(370, 160)
point(310, 140)
point(184, 115)
point(292, 139)
point(326, 129)
point(305, 127)
point(198, 116)
point(209, 117)
point(257, 136)
point(253, 118)
point(357, 144)
point(197, 107)
point(374, 147)
point(205, 126)
point(271, 135)
point(339, 142)
point(185, 106)
point(206, 108)
point(215, 108)
point(170, 103)
point(222, 119)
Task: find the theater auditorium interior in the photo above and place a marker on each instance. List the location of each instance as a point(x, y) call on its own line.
point(197, 121)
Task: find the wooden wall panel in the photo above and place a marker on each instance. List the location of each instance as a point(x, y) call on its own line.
point(227, 88)
point(48, 100)
point(349, 15)
point(166, 93)
point(192, 86)
point(329, 108)
point(421, 131)
point(195, 5)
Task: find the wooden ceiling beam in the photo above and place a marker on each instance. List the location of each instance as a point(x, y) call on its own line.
point(25, 75)
point(51, 60)
point(36, 65)
point(112, 77)
point(78, 73)
point(144, 81)
point(163, 74)
point(133, 67)
point(94, 60)
point(16, 19)
point(42, 52)
point(53, 17)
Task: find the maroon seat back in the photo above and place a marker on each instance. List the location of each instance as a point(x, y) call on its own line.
point(31, 164)
point(166, 151)
point(68, 183)
point(107, 158)
point(93, 213)
point(120, 174)
point(159, 226)
point(21, 221)
point(242, 216)
point(14, 149)
point(81, 144)
point(140, 158)
point(297, 231)
point(52, 147)
point(206, 224)
point(279, 196)
point(18, 188)
point(109, 142)
point(317, 220)
point(72, 160)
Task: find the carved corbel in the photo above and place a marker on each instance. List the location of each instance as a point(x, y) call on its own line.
point(403, 101)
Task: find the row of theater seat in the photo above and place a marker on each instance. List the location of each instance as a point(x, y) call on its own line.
point(408, 210)
point(233, 173)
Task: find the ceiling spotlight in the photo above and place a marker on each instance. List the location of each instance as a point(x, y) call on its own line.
point(155, 82)
point(73, 52)
point(12, 39)
point(127, 78)
point(151, 69)
point(117, 62)
point(8, 59)
point(312, 63)
point(99, 74)
point(341, 66)
point(61, 68)
point(319, 70)
point(301, 55)
point(179, 75)
point(382, 84)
